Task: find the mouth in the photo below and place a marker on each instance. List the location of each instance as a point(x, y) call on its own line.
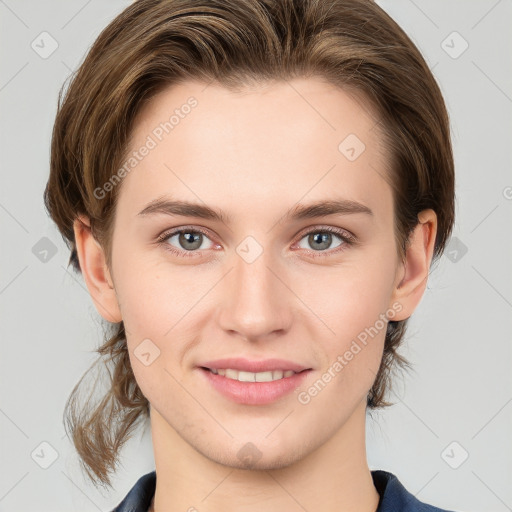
point(254, 382)
point(244, 376)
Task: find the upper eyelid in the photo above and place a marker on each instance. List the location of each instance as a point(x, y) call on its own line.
point(330, 229)
point(175, 231)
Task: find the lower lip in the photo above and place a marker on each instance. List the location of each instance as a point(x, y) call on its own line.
point(254, 393)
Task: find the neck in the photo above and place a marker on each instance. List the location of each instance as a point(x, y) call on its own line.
point(334, 477)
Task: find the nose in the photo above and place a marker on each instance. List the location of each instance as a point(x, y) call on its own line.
point(257, 302)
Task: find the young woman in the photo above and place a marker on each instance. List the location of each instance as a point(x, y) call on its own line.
point(254, 191)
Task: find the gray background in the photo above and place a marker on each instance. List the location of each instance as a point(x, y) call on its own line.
point(459, 339)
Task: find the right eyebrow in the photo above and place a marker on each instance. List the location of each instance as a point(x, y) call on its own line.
point(183, 208)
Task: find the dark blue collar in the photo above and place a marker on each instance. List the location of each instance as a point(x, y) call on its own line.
point(393, 495)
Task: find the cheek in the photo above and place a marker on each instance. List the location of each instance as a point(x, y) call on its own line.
point(350, 298)
point(163, 309)
point(352, 302)
point(154, 297)
point(351, 349)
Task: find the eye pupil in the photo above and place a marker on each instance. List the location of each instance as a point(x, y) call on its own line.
point(190, 238)
point(320, 240)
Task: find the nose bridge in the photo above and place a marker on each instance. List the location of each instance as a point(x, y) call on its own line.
point(254, 280)
point(256, 305)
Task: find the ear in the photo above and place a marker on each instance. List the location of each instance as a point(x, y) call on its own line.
point(95, 271)
point(412, 274)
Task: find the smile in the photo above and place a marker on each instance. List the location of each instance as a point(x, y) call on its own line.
point(253, 388)
point(243, 376)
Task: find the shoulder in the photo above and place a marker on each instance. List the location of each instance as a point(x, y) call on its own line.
point(394, 497)
point(140, 495)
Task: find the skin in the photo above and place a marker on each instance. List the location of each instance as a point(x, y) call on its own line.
point(255, 154)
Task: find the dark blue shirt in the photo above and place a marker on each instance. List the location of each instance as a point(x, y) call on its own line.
point(393, 495)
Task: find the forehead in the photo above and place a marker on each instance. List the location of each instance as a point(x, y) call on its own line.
point(275, 140)
point(294, 108)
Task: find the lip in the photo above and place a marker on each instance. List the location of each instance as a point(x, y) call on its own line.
point(254, 393)
point(246, 365)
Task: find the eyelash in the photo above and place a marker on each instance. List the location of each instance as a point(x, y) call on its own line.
point(346, 238)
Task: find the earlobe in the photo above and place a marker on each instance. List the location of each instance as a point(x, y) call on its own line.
point(413, 272)
point(95, 271)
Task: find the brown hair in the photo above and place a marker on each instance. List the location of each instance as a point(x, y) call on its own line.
point(153, 44)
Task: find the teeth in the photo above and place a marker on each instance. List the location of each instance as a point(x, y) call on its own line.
point(253, 377)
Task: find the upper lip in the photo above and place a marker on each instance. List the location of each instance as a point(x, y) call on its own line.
point(241, 364)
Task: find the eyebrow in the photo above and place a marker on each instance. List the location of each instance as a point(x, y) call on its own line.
point(300, 211)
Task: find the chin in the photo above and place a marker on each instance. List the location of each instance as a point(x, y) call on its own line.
point(255, 456)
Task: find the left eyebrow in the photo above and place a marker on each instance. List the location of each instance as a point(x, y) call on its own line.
point(300, 211)
point(324, 208)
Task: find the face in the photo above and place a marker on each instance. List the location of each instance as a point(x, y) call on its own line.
point(263, 277)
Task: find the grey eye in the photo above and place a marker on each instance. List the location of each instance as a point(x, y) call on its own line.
point(188, 240)
point(320, 240)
